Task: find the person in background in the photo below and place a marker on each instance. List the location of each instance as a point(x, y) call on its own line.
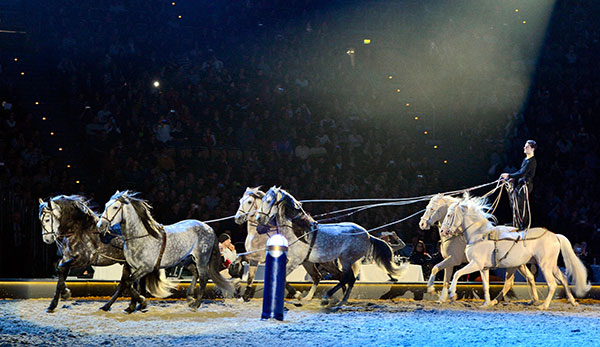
point(228, 253)
point(419, 256)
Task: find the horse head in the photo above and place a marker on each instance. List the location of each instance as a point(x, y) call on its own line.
point(249, 204)
point(270, 205)
point(113, 211)
point(49, 220)
point(454, 219)
point(435, 211)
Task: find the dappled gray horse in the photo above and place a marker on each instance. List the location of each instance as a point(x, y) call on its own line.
point(320, 243)
point(256, 244)
point(68, 221)
point(150, 246)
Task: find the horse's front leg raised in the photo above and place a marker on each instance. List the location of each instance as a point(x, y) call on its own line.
point(467, 269)
point(62, 271)
point(445, 264)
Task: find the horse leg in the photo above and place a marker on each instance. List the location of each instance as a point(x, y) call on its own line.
point(347, 275)
point(250, 289)
point(124, 276)
point(192, 287)
point(447, 279)
point(485, 281)
point(547, 270)
point(509, 280)
point(62, 272)
point(135, 295)
point(350, 279)
point(565, 282)
point(467, 269)
point(333, 268)
point(202, 273)
point(444, 264)
point(524, 270)
point(314, 273)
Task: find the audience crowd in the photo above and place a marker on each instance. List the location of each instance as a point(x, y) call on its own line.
point(191, 112)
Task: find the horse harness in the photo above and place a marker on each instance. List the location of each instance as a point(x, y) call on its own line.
point(163, 246)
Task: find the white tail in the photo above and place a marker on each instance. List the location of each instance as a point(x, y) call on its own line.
point(158, 285)
point(575, 268)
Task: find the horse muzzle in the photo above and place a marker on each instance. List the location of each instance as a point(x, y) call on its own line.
point(424, 225)
point(102, 226)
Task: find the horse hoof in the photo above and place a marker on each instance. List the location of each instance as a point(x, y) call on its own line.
point(129, 310)
point(431, 290)
point(324, 302)
point(142, 305)
point(105, 308)
point(50, 310)
point(189, 299)
point(66, 294)
point(575, 303)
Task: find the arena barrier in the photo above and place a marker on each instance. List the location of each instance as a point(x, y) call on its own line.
point(44, 288)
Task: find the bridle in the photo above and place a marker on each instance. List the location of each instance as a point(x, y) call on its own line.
point(435, 208)
point(120, 209)
point(261, 213)
point(248, 214)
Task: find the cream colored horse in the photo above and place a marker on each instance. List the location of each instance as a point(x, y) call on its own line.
point(453, 251)
point(491, 246)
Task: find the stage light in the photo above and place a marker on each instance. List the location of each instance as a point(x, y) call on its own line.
point(435, 147)
point(22, 73)
point(43, 118)
point(524, 22)
point(416, 117)
point(173, 4)
point(426, 132)
point(516, 10)
point(397, 90)
point(77, 181)
point(156, 84)
point(52, 133)
point(367, 41)
point(60, 149)
point(390, 76)
point(445, 162)
point(69, 166)
point(407, 105)
point(350, 51)
point(16, 59)
point(37, 102)
point(179, 16)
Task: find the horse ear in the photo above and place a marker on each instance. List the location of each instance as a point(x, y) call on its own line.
point(54, 206)
point(40, 201)
point(279, 195)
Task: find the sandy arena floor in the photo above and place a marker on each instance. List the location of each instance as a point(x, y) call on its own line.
point(218, 323)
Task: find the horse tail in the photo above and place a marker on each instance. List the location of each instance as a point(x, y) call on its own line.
point(384, 256)
point(158, 285)
point(575, 268)
point(214, 267)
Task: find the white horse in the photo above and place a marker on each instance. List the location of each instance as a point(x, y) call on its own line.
point(257, 242)
point(150, 246)
point(453, 251)
point(320, 243)
point(490, 246)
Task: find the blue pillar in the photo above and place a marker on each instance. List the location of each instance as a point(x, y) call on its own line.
point(274, 287)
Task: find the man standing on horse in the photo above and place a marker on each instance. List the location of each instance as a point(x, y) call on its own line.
point(524, 186)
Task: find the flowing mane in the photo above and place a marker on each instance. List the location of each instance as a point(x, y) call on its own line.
point(294, 210)
point(143, 210)
point(478, 205)
point(76, 218)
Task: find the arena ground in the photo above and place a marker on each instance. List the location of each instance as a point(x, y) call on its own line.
point(397, 322)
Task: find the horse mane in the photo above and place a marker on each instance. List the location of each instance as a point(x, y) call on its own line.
point(76, 217)
point(255, 192)
point(478, 205)
point(143, 210)
point(294, 211)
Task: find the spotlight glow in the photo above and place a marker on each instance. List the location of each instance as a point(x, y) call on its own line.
point(52, 133)
point(69, 166)
point(44, 118)
point(22, 73)
point(60, 149)
point(390, 77)
point(16, 59)
point(156, 84)
point(426, 132)
point(367, 41)
point(435, 147)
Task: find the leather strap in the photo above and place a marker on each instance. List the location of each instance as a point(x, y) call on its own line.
point(162, 251)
